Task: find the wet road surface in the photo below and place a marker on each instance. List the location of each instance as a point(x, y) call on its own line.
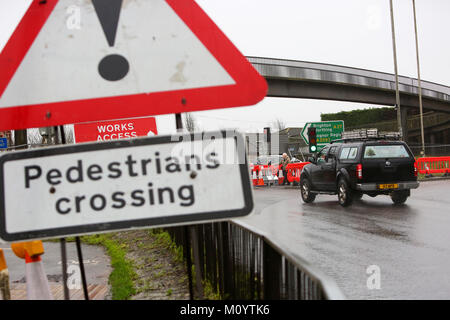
point(410, 243)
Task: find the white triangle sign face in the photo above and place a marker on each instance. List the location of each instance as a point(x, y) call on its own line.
point(72, 61)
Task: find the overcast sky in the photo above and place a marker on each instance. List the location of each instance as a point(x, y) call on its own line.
point(354, 33)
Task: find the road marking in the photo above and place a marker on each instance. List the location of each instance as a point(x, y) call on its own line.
point(75, 262)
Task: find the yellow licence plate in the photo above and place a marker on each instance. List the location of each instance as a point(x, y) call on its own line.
point(388, 186)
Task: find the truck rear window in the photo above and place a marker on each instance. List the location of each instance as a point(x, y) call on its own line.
point(386, 151)
point(348, 153)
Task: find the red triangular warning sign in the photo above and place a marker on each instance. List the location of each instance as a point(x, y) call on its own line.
point(76, 61)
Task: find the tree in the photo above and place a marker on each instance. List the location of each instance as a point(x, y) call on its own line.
point(68, 131)
point(279, 124)
point(190, 123)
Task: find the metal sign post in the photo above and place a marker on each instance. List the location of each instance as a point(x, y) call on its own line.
point(83, 273)
point(79, 251)
point(187, 246)
point(63, 247)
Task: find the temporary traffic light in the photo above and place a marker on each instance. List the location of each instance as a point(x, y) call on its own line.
point(312, 138)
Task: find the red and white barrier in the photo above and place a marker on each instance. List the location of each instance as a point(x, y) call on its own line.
point(271, 173)
point(433, 165)
point(294, 170)
point(274, 173)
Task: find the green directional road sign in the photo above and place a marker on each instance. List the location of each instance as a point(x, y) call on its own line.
point(326, 131)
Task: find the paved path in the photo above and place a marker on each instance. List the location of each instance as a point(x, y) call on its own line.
point(96, 292)
point(96, 263)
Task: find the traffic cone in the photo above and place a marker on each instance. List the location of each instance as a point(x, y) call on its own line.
point(260, 177)
point(37, 282)
point(254, 178)
point(5, 292)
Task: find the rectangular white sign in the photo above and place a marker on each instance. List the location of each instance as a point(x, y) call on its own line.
point(86, 188)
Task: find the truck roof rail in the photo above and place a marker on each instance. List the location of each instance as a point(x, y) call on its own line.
point(367, 134)
point(361, 140)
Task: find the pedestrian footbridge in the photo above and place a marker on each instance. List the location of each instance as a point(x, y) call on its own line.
point(310, 80)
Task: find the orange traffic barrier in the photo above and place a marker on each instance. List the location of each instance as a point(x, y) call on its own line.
point(5, 292)
point(294, 171)
point(37, 282)
point(275, 172)
point(271, 174)
point(433, 165)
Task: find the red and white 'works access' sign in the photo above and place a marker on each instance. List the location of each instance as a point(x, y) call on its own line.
point(114, 130)
point(124, 59)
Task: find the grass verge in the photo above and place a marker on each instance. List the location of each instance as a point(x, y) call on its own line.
point(124, 280)
point(164, 239)
point(123, 275)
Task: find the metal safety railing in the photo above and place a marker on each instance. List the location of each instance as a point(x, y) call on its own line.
point(239, 262)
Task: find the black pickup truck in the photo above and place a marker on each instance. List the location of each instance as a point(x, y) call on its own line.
point(353, 167)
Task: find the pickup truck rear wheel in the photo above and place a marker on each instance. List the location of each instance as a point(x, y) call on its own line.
point(399, 197)
point(305, 190)
point(345, 194)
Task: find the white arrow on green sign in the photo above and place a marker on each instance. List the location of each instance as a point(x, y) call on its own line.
point(326, 131)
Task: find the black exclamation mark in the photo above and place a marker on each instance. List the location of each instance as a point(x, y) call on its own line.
point(112, 67)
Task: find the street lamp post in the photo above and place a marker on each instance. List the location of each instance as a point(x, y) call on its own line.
point(422, 152)
point(397, 95)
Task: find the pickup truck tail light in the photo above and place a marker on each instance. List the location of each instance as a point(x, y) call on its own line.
point(359, 172)
point(415, 169)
